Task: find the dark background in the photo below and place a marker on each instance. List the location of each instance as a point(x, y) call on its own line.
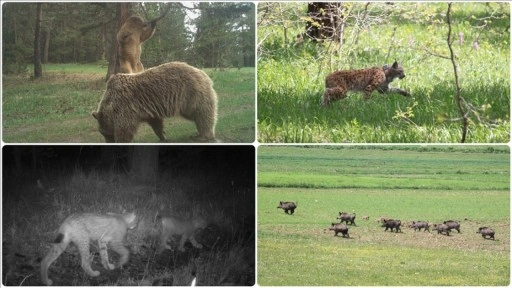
point(43, 185)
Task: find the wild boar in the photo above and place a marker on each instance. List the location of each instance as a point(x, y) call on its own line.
point(288, 207)
point(417, 225)
point(486, 231)
point(339, 228)
point(344, 216)
point(453, 225)
point(442, 228)
point(392, 224)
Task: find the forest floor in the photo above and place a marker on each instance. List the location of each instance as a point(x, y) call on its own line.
point(31, 217)
point(57, 107)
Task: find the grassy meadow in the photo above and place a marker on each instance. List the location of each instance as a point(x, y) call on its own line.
point(470, 184)
point(291, 75)
point(57, 107)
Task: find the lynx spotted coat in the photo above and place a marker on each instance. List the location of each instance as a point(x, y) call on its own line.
point(338, 83)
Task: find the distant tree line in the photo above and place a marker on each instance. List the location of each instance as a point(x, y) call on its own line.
point(217, 35)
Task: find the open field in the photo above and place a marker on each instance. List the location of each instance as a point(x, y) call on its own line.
point(434, 184)
point(291, 75)
point(57, 108)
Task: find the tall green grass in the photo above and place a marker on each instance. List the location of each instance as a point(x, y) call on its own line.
point(291, 78)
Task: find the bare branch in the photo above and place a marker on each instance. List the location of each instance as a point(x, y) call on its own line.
point(391, 44)
point(162, 14)
point(458, 95)
point(435, 54)
point(188, 8)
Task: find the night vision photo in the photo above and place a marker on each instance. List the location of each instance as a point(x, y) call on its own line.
point(128, 215)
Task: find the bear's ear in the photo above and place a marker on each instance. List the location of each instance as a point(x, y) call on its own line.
point(96, 115)
point(395, 65)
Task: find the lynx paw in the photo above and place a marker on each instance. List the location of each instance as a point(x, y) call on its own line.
point(93, 273)
point(107, 265)
point(48, 282)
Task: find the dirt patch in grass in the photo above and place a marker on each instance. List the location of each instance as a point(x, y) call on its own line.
point(369, 232)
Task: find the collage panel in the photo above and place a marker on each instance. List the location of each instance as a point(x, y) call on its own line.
point(383, 72)
point(153, 72)
point(383, 215)
point(180, 74)
point(128, 215)
point(359, 79)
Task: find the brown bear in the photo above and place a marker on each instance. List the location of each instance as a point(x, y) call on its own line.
point(130, 37)
point(167, 90)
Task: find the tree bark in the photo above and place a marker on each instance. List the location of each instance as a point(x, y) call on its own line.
point(104, 41)
point(123, 12)
point(326, 21)
point(38, 68)
point(144, 164)
point(46, 46)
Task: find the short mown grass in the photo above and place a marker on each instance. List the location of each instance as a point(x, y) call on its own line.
point(57, 107)
point(299, 250)
point(291, 76)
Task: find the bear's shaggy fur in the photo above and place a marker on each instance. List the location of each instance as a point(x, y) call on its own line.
point(130, 37)
point(167, 90)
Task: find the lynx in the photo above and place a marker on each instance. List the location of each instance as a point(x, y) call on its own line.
point(81, 229)
point(172, 226)
point(338, 83)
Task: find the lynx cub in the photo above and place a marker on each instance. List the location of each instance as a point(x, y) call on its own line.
point(338, 83)
point(186, 228)
point(80, 229)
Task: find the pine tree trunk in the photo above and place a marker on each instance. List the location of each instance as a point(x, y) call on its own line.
point(123, 12)
point(46, 46)
point(326, 20)
point(144, 164)
point(38, 68)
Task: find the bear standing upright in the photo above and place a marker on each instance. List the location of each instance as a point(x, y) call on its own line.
point(167, 90)
point(130, 37)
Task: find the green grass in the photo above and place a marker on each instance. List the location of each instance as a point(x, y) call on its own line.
point(291, 78)
point(298, 250)
point(395, 169)
point(57, 107)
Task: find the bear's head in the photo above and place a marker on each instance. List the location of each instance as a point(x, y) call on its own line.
point(105, 126)
point(136, 31)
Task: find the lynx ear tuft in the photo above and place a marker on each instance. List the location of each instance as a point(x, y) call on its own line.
point(395, 65)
